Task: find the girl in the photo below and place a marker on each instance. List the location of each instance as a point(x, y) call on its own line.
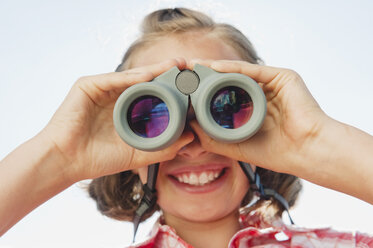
point(297, 138)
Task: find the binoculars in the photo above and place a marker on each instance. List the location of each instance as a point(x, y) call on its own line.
point(230, 107)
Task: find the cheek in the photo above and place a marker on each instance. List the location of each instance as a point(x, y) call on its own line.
point(242, 187)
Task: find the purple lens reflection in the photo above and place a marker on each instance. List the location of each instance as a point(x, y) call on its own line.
point(231, 107)
point(148, 116)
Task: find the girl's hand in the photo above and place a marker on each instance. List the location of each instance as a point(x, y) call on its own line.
point(79, 142)
point(292, 125)
point(82, 128)
point(297, 137)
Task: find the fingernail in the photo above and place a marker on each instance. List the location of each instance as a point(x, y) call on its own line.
point(215, 65)
point(193, 62)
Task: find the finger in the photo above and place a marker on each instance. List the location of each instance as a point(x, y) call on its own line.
point(119, 80)
point(259, 73)
point(205, 62)
point(159, 68)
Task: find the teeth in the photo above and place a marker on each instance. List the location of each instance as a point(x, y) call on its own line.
point(193, 179)
point(211, 176)
point(203, 178)
point(185, 179)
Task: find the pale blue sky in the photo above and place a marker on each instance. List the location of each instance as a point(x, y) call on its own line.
point(46, 46)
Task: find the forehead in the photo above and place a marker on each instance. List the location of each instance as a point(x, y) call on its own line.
point(188, 45)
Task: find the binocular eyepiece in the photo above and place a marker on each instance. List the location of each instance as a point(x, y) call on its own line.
point(230, 107)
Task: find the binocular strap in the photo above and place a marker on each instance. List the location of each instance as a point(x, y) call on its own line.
point(149, 198)
point(262, 191)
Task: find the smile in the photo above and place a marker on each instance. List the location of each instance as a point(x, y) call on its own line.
point(199, 178)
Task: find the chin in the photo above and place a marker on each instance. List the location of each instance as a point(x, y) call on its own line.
point(199, 211)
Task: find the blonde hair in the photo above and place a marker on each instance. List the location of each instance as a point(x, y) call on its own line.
point(166, 22)
point(114, 194)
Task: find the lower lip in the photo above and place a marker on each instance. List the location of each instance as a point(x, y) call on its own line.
point(200, 189)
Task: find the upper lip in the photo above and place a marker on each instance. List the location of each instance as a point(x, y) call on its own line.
point(196, 168)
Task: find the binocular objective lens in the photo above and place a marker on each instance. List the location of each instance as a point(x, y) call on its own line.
point(148, 116)
point(231, 107)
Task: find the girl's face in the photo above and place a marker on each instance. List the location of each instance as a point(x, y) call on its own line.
point(197, 185)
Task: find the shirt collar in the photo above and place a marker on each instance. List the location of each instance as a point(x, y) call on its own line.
point(162, 234)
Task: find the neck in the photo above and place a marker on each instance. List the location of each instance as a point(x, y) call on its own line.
point(207, 234)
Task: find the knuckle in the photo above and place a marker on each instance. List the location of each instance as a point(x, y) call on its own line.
point(290, 75)
point(83, 80)
point(293, 74)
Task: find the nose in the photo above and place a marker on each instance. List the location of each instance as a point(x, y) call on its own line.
point(192, 150)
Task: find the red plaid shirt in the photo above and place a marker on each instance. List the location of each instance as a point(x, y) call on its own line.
point(265, 233)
